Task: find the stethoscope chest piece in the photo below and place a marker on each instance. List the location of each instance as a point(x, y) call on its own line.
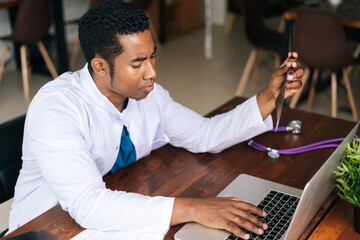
point(295, 126)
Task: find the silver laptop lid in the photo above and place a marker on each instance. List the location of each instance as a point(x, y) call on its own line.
point(254, 189)
point(317, 190)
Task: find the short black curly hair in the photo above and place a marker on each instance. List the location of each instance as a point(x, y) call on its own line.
point(101, 26)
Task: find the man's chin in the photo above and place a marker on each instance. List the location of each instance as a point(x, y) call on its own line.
point(144, 95)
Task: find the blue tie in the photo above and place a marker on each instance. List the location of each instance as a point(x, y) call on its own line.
point(127, 153)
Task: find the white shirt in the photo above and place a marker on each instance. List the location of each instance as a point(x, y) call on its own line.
point(72, 138)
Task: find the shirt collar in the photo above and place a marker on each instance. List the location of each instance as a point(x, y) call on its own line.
point(92, 91)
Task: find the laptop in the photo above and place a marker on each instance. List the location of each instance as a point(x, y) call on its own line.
point(292, 208)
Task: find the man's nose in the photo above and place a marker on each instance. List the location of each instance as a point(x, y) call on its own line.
point(150, 70)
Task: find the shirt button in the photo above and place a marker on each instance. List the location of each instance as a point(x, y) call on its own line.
point(117, 147)
point(118, 117)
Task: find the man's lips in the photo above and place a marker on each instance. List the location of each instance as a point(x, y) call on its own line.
point(149, 88)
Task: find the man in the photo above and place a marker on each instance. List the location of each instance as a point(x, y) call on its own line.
point(90, 123)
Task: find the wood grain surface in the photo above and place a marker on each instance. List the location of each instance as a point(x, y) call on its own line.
point(171, 171)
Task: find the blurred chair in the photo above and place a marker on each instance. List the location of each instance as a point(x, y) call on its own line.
point(31, 25)
point(11, 138)
point(266, 9)
point(233, 9)
point(320, 40)
point(353, 34)
point(261, 37)
point(357, 57)
point(141, 4)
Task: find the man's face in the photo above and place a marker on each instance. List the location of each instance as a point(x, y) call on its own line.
point(134, 69)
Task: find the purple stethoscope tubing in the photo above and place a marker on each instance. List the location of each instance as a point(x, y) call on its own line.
point(295, 127)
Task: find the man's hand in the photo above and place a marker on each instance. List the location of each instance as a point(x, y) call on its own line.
point(266, 98)
point(230, 214)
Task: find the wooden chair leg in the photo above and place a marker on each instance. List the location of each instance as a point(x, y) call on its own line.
point(296, 97)
point(349, 93)
point(245, 75)
point(312, 88)
point(256, 70)
point(333, 95)
point(47, 60)
point(25, 71)
point(2, 62)
point(355, 55)
point(74, 54)
point(229, 24)
point(281, 25)
point(357, 51)
point(357, 71)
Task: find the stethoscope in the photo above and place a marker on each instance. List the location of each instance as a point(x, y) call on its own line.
point(294, 127)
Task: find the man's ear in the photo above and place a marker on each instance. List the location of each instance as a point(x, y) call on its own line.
point(100, 66)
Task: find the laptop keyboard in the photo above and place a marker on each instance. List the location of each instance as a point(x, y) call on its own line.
point(280, 208)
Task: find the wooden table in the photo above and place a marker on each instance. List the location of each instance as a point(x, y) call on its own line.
point(171, 171)
point(348, 13)
point(8, 3)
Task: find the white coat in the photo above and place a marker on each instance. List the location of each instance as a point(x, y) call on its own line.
point(72, 138)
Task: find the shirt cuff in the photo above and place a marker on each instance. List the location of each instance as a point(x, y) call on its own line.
point(268, 121)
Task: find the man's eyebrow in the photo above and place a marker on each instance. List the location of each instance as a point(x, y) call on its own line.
point(140, 59)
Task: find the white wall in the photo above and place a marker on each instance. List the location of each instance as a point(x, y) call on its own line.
point(5, 28)
point(219, 11)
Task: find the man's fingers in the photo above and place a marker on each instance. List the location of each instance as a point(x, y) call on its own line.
point(291, 61)
point(293, 64)
point(239, 199)
point(295, 84)
point(245, 220)
point(292, 55)
point(292, 87)
point(231, 214)
point(250, 222)
point(245, 217)
point(251, 208)
point(233, 228)
point(294, 80)
point(291, 58)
